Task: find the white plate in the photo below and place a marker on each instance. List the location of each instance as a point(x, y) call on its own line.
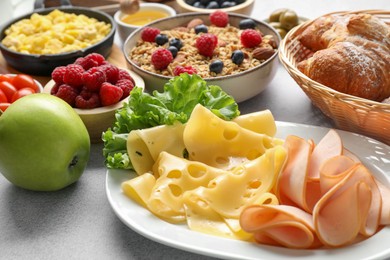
point(375, 155)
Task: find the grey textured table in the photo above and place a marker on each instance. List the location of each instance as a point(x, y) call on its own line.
point(78, 222)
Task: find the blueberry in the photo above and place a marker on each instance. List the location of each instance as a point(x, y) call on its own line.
point(198, 5)
point(161, 39)
point(239, 1)
point(173, 50)
point(237, 57)
point(227, 4)
point(201, 28)
point(247, 24)
point(212, 5)
point(216, 66)
point(176, 42)
point(204, 2)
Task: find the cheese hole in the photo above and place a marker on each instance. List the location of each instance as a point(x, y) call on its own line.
point(175, 190)
point(230, 133)
point(222, 160)
point(199, 202)
point(268, 201)
point(253, 154)
point(212, 184)
point(196, 171)
point(248, 194)
point(161, 170)
point(255, 184)
point(175, 174)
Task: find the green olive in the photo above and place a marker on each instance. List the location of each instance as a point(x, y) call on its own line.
point(288, 19)
point(275, 15)
point(276, 25)
point(282, 32)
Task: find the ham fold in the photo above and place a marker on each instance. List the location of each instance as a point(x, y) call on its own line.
point(280, 225)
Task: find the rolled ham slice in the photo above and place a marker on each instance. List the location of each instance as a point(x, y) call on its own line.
point(350, 207)
point(280, 225)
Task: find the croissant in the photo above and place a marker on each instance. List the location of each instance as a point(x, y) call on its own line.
point(351, 54)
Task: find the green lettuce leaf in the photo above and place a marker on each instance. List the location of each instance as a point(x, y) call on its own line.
point(175, 104)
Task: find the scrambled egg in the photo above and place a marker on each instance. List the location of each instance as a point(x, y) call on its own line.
point(56, 32)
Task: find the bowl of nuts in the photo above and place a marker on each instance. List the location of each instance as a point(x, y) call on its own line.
point(95, 89)
point(233, 51)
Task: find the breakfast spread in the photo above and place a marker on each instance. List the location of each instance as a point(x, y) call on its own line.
point(54, 33)
point(218, 49)
point(231, 177)
point(351, 54)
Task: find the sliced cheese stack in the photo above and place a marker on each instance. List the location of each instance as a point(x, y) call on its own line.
point(209, 189)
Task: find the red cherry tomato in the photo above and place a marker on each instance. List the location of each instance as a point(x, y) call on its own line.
point(24, 81)
point(21, 93)
point(8, 89)
point(6, 77)
point(3, 97)
point(4, 106)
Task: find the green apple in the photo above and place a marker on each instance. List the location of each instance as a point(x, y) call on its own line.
point(44, 145)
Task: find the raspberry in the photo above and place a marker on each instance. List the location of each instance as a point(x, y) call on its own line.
point(111, 72)
point(67, 93)
point(58, 75)
point(180, 69)
point(219, 18)
point(93, 79)
point(73, 75)
point(110, 94)
point(126, 85)
point(250, 38)
point(123, 74)
point(98, 58)
point(54, 89)
point(206, 44)
point(161, 58)
point(86, 63)
point(87, 99)
point(148, 34)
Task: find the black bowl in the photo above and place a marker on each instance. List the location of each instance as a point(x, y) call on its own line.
point(43, 65)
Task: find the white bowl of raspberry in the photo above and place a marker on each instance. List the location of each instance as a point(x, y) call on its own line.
point(233, 51)
point(95, 89)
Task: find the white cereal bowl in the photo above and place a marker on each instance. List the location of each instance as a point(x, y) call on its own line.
point(125, 29)
point(242, 86)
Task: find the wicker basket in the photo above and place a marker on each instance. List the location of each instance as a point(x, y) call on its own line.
point(348, 112)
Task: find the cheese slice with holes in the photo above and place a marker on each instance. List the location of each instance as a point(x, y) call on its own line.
point(261, 122)
point(223, 144)
point(145, 145)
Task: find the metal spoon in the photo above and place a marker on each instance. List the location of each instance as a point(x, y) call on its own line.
point(129, 6)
